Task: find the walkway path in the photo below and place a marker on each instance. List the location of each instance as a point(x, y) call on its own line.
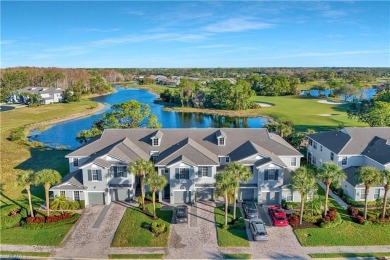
point(334, 196)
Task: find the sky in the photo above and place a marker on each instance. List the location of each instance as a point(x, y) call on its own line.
point(195, 34)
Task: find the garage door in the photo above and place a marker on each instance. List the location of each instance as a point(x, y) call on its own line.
point(182, 197)
point(205, 194)
point(270, 197)
point(246, 194)
point(96, 198)
point(121, 194)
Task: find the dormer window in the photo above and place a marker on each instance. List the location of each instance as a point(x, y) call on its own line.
point(155, 142)
point(221, 141)
point(156, 139)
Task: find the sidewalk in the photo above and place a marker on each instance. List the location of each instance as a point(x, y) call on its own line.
point(334, 196)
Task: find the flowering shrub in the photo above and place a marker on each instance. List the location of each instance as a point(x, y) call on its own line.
point(293, 220)
point(36, 220)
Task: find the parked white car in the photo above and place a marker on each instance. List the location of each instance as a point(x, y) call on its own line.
point(258, 230)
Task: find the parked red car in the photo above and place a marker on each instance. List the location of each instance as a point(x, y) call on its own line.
point(278, 216)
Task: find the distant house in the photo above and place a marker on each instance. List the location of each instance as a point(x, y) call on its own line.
point(188, 158)
point(48, 95)
point(163, 80)
point(351, 148)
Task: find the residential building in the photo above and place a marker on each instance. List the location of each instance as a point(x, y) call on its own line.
point(351, 148)
point(48, 95)
point(188, 158)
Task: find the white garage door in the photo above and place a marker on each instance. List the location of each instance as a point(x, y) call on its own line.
point(180, 197)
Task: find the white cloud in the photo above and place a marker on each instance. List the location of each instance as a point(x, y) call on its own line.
point(236, 25)
point(333, 13)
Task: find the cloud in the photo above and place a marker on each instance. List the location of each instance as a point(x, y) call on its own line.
point(326, 54)
point(213, 46)
point(333, 13)
point(236, 25)
point(94, 30)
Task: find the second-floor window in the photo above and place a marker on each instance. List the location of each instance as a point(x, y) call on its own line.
point(221, 141)
point(331, 156)
point(321, 148)
point(75, 162)
point(294, 161)
point(95, 175)
point(310, 142)
point(120, 171)
point(271, 174)
point(205, 171)
point(155, 142)
point(344, 160)
point(315, 145)
point(183, 174)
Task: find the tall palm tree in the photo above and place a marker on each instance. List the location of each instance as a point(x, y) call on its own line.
point(225, 185)
point(48, 177)
point(241, 173)
point(369, 176)
point(330, 173)
point(386, 178)
point(156, 183)
point(304, 182)
point(141, 168)
point(26, 179)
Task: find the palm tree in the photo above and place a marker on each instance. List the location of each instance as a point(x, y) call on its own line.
point(62, 203)
point(141, 168)
point(26, 179)
point(225, 185)
point(304, 182)
point(241, 173)
point(368, 176)
point(330, 173)
point(386, 177)
point(48, 177)
point(156, 183)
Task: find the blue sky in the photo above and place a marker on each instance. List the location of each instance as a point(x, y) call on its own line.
point(151, 34)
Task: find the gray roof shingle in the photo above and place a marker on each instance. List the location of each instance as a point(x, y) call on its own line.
point(71, 181)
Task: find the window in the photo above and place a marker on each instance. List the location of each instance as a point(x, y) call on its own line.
point(321, 148)
point(227, 159)
point(219, 159)
point(271, 174)
point(314, 161)
point(377, 194)
point(315, 145)
point(288, 195)
point(344, 160)
point(331, 156)
point(155, 142)
point(166, 171)
point(205, 171)
point(294, 161)
point(184, 173)
point(154, 158)
point(62, 193)
point(120, 171)
point(95, 175)
point(309, 157)
point(75, 162)
point(221, 141)
point(361, 194)
point(310, 142)
point(76, 195)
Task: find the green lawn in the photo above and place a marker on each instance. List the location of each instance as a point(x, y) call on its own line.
point(230, 237)
point(136, 256)
point(17, 254)
point(305, 112)
point(132, 231)
point(236, 256)
point(348, 255)
point(348, 233)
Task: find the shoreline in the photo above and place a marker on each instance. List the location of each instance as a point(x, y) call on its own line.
point(50, 123)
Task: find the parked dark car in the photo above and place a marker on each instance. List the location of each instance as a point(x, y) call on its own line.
point(258, 229)
point(250, 209)
point(181, 214)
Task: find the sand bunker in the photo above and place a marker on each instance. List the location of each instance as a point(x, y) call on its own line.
point(265, 104)
point(324, 101)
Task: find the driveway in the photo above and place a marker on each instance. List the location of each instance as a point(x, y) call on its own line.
point(198, 238)
point(92, 235)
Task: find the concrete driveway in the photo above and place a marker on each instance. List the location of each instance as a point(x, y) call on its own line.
point(92, 235)
point(198, 238)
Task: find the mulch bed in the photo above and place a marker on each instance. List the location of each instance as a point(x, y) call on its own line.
point(306, 224)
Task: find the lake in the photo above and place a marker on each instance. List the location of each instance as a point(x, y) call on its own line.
point(63, 135)
point(365, 93)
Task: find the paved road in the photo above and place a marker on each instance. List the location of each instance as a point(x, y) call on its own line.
point(86, 241)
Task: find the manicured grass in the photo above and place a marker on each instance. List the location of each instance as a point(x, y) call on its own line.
point(43, 237)
point(348, 255)
point(230, 237)
point(21, 155)
point(236, 256)
point(305, 112)
point(136, 256)
point(133, 233)
point(348, 233)
point(17, 254)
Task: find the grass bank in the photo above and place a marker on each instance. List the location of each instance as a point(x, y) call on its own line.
point(136, 256)
point(133, 229)
point(306, 112)
point(234, 236)
point(22, 155)
point(348, 233)
point(18, 254)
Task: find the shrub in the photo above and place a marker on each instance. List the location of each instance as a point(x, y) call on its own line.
point(48, 225)
point(10, 221)
point(293, 220)
point(139, 198)
point(333, 223)
point(82, 204)
point(158, 228)
point(16, 134)
point(359, 219)
point(6, 210)
point(309, 218)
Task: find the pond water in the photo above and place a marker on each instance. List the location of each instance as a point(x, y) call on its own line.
point(63, 135)
point(365, 93)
